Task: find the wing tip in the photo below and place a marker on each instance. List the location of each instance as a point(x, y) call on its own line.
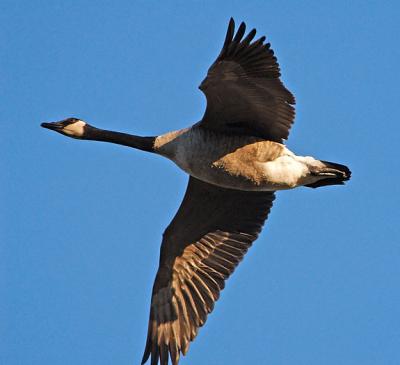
point(145, 355)
point(229, 33)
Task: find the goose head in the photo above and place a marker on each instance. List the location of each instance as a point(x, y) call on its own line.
point(71, 127)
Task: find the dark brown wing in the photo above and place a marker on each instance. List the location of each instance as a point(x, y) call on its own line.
point(243, 90)
point(208, 237)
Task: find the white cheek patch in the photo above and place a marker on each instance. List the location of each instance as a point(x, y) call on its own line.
point(76, 129)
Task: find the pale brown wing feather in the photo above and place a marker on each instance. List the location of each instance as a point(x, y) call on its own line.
point(208, 237)
point(243, 90)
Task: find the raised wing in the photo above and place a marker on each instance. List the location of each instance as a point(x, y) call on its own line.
point(243, 90)
point(208, 237)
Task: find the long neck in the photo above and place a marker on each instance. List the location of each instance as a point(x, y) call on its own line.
point(141, 143)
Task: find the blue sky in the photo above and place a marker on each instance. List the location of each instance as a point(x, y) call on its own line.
point(81, 222)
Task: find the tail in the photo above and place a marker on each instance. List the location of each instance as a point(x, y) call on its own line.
point(335, 174)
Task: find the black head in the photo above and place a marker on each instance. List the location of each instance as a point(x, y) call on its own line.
point(71, 127)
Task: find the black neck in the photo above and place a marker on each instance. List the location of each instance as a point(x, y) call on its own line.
point(141, 143)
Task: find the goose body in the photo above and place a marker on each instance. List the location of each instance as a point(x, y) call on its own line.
point(236, 160)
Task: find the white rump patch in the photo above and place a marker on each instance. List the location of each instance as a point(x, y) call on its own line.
point(287, 170)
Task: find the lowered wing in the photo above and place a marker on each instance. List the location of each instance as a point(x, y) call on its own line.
point(208, 237)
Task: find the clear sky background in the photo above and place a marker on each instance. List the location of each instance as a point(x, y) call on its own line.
point(81, 222)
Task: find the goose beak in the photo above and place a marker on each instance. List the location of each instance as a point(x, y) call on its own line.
point(55, 126)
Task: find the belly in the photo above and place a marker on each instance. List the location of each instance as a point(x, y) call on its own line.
point(281, 174)
point(241, 163)
point(245, 170)
point(220, 177)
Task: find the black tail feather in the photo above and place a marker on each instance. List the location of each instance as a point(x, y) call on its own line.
point(342, 174)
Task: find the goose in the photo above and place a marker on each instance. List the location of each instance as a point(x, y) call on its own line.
point(236, 160)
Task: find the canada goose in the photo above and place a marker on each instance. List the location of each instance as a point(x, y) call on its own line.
point(236, 160)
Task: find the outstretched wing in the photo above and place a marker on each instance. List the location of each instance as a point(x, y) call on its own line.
point(208, 237)
point(243, 90)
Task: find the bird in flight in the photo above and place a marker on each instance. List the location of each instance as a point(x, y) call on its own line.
point(236, 160)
